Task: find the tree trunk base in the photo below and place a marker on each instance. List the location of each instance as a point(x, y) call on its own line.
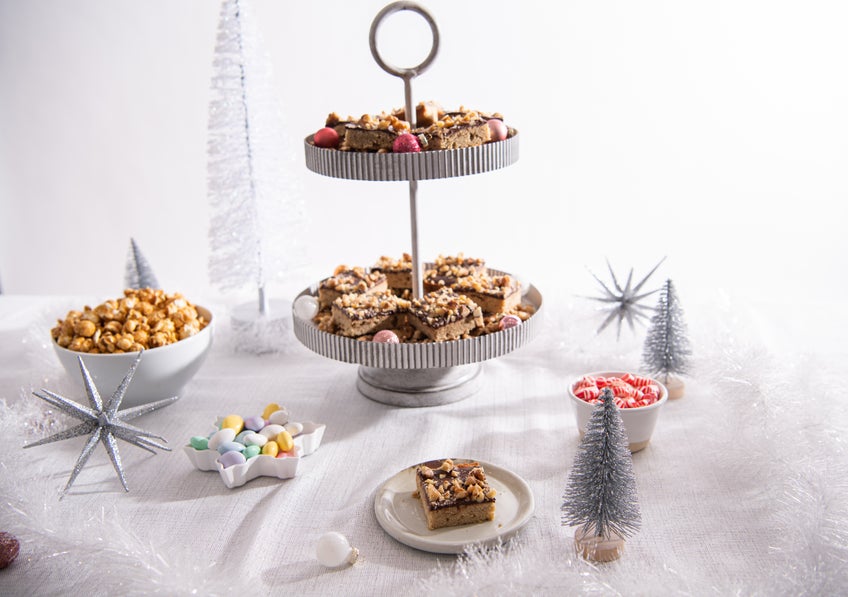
point(598, 549)
point(675, 387)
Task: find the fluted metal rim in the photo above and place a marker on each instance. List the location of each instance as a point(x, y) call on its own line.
point(424, 165)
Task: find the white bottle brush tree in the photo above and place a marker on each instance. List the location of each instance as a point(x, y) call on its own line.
point(256, 228)
point(666, 352)
point(600, 497)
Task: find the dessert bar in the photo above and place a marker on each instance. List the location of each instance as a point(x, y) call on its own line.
point(359, 314)
point(347, 280)
point(454, 494)
point(456, 130)
point(444, 315)
point(447, 270)
point(494, 294)
point(398, 272)
point(373, 133)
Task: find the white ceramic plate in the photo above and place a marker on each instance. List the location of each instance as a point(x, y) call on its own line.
point(401, 515)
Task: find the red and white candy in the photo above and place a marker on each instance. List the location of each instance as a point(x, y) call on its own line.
point(498, 129)
point(630, 391)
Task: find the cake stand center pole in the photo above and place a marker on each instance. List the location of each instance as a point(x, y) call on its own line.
point(417, 287)
point(407, 74)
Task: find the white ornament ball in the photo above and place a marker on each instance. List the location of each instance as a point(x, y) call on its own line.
point(333, 550)
point(306, 307)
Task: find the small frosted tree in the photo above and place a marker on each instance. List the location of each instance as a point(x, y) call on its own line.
point(256, 229)
point(666, 351)
point(600, 496)
point(138, 273)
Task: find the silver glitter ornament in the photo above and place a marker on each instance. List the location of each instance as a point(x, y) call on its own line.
point(138, 273)
point(104, 423)
point(624, 302)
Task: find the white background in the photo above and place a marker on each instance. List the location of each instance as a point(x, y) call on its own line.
point(713, 133)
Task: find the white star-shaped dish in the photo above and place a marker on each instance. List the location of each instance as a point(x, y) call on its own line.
point(284, 467)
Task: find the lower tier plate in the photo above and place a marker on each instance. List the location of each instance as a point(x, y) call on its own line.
point(431, 355)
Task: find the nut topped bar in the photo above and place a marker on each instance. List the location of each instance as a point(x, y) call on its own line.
point(359, 314)
point(374, 133)
point(455, 130)
point(454, 494)
point(447, 270)
point(494, 294)
point(444, 315)
point(398, 272)
point(347, 280)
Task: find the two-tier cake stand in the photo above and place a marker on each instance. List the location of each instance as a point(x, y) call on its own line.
point(415, 374)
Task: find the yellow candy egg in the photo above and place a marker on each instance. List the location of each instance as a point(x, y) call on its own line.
point(270, 449)
point(234, 422)
point(284, 439)
point(270, 409)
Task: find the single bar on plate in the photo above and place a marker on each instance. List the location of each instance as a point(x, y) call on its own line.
point(398, 272)
point(444, 315)
point(358, 314)
point(457, 130)
point(374, 133)
point(454, 494)
point(349, 280)
point(494, 294)
point(447, 270)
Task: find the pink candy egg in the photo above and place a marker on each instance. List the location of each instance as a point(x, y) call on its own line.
point(406, 143)
point(386, 336)
point(326, 137)
point(509, 321)
point(498, 129)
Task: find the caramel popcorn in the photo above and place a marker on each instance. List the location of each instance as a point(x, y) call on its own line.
point(143, 319)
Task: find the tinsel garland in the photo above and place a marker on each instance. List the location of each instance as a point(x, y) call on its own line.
point(790, 449)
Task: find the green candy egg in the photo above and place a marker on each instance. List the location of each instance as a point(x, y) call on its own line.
point(251, 451)
point(199, 442)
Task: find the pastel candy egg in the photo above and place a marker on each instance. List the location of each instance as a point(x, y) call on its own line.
point(498, 129)
point(509, 321)
point(326, 137)
point(386, 336)
point(271, 431)
point(306, 307)
point(270, 449)
point(271, 408)
point(255, 439)
point(230, 447)
point(198, 442)
point(233, 458)
point(251, 451)
point(284, 440)
point(294, 428)
point(221, 436)
point(280, 417)
point(240, 437)
point(233, 422)
point(254, 423)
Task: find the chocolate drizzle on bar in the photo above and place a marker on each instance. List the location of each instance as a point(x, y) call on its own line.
point(449, 484)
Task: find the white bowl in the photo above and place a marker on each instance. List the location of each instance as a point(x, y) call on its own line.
point(638, 422)
point(162, 372)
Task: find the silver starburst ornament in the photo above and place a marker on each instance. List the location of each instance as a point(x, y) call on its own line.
point(104, 423)
point(623, 303)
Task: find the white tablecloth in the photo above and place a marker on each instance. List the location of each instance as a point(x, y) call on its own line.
point(741, 488)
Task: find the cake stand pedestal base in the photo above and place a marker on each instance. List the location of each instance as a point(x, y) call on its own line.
point(420, 387)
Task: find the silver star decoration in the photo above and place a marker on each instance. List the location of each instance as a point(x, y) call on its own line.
point(104, 422)
point(624, 302)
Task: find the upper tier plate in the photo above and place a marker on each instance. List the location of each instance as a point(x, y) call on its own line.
point(425, 165)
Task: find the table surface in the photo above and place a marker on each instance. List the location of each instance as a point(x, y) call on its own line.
point(741, 488)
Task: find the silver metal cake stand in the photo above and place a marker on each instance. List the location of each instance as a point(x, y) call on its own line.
point(415, 374)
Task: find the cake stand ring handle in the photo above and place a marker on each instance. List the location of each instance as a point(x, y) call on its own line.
point(403, 73)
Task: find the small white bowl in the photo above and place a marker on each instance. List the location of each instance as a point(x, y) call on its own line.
point(162, 372)
point(638, 422)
